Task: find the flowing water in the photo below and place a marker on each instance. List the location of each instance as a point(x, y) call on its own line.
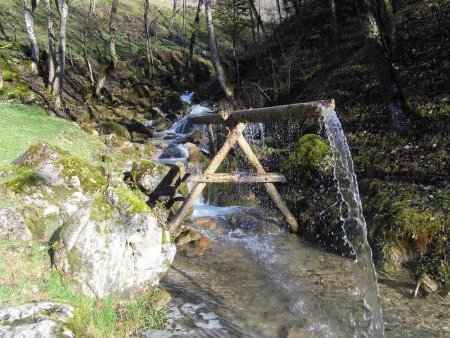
point(353, 221)
point(275, 285)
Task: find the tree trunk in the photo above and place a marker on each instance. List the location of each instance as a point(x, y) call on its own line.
point(85, 37)
point(112, 49)
point(174, 12)
point(3, 32)
point(51, 45)
point(63, 9)
point(396, 102)
point(227, 88)
point(258, 17)
point(194, 34)
point(333, 21)
point(1, 77)
point(148, 39)
point(386, 15)
point(252, 23)
point(28, 16)
point(279, 11)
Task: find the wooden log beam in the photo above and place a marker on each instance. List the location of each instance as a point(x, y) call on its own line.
point(196, 191)
point(239, 178)
point(270, 187)
point(268, 114)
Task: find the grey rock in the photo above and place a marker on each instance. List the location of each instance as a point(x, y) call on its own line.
point(124, 255)
point(31, 320)
point(148, 175)
point(13, 226)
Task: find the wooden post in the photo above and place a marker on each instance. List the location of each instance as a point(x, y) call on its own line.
point(211, 141)
point(230, 141)
point(270, 187)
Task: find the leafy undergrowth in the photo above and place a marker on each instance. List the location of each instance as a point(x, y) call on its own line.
point(26, 276)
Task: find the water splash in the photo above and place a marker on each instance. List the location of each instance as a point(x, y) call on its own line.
point(186, 97)
point(354, 224)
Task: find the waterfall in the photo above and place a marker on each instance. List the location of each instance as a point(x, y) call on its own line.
point(354, 224)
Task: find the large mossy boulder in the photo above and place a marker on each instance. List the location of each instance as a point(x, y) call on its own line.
point(107, 127)
point(310, 153)
point(104, 237)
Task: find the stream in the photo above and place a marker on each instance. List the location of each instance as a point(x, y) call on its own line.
point(273, 284)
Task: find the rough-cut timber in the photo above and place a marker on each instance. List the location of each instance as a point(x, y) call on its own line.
point(198, 188)
point(268, 114)
point(239, 178)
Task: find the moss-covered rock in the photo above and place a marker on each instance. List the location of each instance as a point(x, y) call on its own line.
point(106, 127)
point(310, 153)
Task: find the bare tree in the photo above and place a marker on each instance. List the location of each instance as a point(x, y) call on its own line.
point(28, 10)
point(194, 34)
point(258, 17)
point(148, 39)
point(279, 11)
point(112, 49)
point(333, 20)
point(221, 77)
point(174, 13)
point(51, 46)
point(396, 102)
point(386, 15)
point(63, 10)
point(85, 38)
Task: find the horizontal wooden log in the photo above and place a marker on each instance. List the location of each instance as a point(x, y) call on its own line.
point(268, 114)
point(238, 178)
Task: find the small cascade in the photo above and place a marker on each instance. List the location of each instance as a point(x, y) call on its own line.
point(354, 224)
point(186, 97)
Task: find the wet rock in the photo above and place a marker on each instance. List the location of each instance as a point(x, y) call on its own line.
point(148, 175)
point(186, 237)
point(174, 152)
point(207, 223)
point(199, 247)
point(33, 320)
point(196, 137)
point(172, 104)
point(162, 123)
point(195, 154)
point(254, 223)
point(13, 226)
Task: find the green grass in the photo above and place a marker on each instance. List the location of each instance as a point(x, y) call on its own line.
point(26, 276)
point(22, 126)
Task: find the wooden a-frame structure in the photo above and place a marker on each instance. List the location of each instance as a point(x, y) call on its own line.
point(236, 122)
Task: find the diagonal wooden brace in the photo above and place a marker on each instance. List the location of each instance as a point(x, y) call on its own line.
point(270, 187)
point(196, 191)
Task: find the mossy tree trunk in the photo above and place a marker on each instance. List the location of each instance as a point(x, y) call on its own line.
point(396, 102)
point(51, 46)
point(87, 62)
point(148, 39)
point(29, 26)
point(221, 76)
point(63, 9)
point(112, 49)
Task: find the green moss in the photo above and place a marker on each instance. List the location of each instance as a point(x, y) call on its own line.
point(309, 153)
point(101, 210)
point(106, 127)
point(131, 202)
point(10, 76)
